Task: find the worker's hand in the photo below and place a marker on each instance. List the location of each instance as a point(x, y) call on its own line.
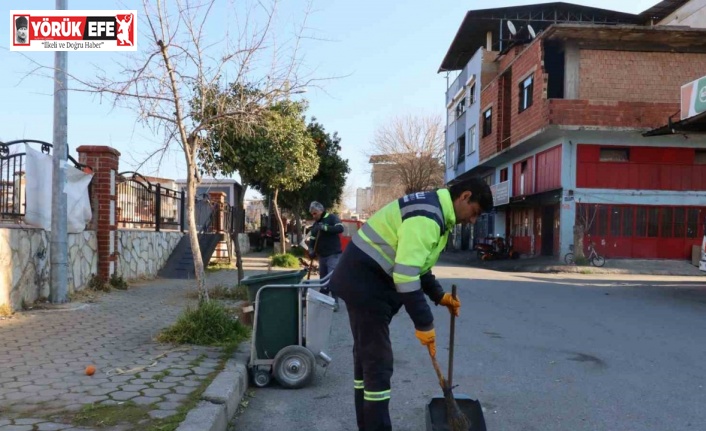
point(427, 338)
point(315, 229)
point(454, 305)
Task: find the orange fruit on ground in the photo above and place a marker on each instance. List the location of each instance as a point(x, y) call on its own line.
point(90, 370)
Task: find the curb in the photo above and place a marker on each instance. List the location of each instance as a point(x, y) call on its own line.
point(561, 269)
point(221, 399)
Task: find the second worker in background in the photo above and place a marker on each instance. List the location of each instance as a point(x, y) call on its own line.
point(327, 228)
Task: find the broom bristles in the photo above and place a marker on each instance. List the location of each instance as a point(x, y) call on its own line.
point(456, 419)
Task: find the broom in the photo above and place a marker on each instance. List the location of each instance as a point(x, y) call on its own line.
point(311, 260)
point(455, 418)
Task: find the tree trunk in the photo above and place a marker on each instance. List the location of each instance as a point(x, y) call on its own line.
point(298, 219)
point(193, 229)
point(578, 241)
point(283, 248)
point(239, 222)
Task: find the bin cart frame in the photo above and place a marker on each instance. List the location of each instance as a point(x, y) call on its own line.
point(292, 365)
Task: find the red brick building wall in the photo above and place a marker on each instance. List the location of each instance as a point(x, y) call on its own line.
point(489, 98)
point(608, 113)
point(637, 76)
point(533, 118)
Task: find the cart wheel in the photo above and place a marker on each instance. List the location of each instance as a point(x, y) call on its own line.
point(294, 367)
point(261, 378)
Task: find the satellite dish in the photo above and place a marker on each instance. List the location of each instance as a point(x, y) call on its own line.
point(531, 31)
point(511, 27)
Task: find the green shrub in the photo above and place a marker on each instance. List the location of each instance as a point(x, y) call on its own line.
point(284, 260)
point(297, 252)
point(581, 261)
point(208, 324)
point(97, 284)
point(219, 291)
point(117, 282)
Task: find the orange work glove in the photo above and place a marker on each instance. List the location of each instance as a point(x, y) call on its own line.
point(427, 338)
point(454, 305)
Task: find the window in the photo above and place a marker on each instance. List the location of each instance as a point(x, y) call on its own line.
point(700, 157)
point(523, 169)
point(526, 89)
point(692, 223)
point(488, 179)
point(472, 139)
point(679, 222)
point(653, 222)
point(615, 155)
point(641, 222)
point(667, 223)
point(461, 149)
point(628, 216)
point(461, 107)
point(452, 156)
point(503, 175)
point(615, 218)
point(600, 223)
point(472, 94)
point(488, 122)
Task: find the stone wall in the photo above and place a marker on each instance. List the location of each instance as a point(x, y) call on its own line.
point(25, 264)
point(141, 254)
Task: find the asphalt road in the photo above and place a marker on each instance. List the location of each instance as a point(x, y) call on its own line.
point(544, 353)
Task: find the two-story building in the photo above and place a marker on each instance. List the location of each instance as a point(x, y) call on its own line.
point(561, 138)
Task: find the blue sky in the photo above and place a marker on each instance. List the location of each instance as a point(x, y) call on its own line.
point(388, 51)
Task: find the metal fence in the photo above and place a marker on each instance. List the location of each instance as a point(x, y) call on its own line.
point(13, 181)
point(217, 217)
point(143, 205)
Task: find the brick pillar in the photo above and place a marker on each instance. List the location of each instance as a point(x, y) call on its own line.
point(218, 200)
point(104, 161)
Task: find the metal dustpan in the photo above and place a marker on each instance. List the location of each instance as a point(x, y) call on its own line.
point(436, 413)
point(436, 410)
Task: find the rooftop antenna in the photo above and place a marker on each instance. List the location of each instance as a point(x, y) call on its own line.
point(511, 27)
point(532, 33)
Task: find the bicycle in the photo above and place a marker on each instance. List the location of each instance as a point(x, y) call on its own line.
point(593, 257)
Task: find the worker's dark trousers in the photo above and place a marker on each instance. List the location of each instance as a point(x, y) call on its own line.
point(372, 361)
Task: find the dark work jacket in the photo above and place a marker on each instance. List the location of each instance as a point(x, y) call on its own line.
point(329, 227)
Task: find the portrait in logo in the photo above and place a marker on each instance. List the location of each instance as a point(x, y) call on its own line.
point(22, 30)
point(124, 29)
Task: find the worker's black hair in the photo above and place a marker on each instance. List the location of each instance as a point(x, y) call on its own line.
point(480, 192)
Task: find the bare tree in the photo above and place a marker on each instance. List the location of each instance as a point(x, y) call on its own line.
point(178, 68)
point(412, 147)
point(585, 216)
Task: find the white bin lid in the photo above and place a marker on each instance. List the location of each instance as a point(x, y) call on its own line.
point(312, 295)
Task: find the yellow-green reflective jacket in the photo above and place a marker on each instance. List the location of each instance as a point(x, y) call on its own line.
point(407, 236)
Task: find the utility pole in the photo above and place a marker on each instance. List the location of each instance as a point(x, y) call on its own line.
point(59, 237)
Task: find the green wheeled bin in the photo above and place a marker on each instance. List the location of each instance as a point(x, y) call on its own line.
point(290, 332)
point(255, 282)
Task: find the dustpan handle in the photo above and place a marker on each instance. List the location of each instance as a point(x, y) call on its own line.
point(452, 336)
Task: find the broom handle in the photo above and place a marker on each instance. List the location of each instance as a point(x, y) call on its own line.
point(311, 259)
point(451, 341)
point(442, 382)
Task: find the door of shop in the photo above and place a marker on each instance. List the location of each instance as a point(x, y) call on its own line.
point(548, 230)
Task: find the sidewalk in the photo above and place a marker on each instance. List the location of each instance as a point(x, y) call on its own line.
point(43, 385)
point(553, 265)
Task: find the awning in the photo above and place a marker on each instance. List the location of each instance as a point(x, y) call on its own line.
point(548, 197)
point(695, 124)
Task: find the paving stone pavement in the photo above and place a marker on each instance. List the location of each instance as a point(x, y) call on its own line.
point(45, 352)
